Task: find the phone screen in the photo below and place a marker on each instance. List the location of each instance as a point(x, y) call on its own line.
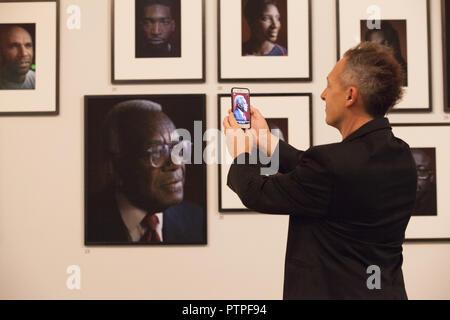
point(241, 106)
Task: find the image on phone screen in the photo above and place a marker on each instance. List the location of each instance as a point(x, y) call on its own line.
point(241, 107)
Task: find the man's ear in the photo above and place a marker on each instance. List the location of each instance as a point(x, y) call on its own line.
point(352, 94)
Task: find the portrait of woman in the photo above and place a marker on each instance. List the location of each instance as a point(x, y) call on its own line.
point(264, 28)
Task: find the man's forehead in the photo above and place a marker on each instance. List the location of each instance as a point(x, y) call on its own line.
point(155, 10)
point(16, 32)
point(160, 129)
point(338, 68)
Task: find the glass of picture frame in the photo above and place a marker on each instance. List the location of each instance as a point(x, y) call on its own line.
point(29, 80)
point(128, 174)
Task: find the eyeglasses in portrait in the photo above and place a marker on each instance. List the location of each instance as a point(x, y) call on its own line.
point(142, 185)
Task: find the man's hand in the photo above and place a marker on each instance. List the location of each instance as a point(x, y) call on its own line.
point(238, 141)
point(260, 131)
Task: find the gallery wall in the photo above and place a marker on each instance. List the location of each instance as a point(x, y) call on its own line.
point(42, 186)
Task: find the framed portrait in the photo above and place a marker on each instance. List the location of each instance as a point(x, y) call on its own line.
point(289, 116)
point(431, 214)
point(158, 41)
point(264, 40)
point(145, 183)
point(445, 9)
point(403, 26)
point(29, 58)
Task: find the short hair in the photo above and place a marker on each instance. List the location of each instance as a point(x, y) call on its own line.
point(373, 69)
point(142, 4)
point(118, 120)
point(254, 8)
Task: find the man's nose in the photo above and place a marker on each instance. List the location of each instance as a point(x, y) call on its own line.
point(323, 95)
point(22, 51)
point(156, 28)
point(274, 23)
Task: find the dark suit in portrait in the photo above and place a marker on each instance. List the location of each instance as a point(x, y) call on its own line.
point(182, 223)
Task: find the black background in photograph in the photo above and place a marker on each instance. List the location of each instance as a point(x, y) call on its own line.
point(426, 202)
point(140, 35)
point(31, 28)
point(283, 33)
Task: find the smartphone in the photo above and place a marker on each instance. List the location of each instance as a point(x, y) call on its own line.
point(241, 106)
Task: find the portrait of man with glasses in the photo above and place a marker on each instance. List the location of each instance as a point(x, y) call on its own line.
point(425, 159)
point(143, 201)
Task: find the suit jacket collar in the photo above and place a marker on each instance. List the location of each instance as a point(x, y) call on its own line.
point(371, 126)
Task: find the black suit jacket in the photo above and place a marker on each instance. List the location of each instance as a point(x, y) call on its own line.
point(349, 205)
point(183, 223)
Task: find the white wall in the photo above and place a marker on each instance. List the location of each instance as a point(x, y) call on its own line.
point(41, 188)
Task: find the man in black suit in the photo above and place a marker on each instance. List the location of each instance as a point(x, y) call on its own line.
point(350, 202)
point(144, 203)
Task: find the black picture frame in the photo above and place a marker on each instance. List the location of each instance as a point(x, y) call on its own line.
point(445, 10)
point(99, 102)
point(219, 122)
point(155, 79)
point(54, 109)
point(421, 126)
point(281, 78)
point(426, 109)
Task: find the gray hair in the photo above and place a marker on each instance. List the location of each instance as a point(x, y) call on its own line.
point(122, 116)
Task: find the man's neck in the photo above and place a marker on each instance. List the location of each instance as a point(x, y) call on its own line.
point(351, 125)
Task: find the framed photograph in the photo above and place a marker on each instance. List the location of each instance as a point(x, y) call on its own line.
point(158, 41)
point(431, 213)
point(445, 8)
point(270, 41)
point(288, 115)
point(403, 26)
point(145, 178)
point(29, 57)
